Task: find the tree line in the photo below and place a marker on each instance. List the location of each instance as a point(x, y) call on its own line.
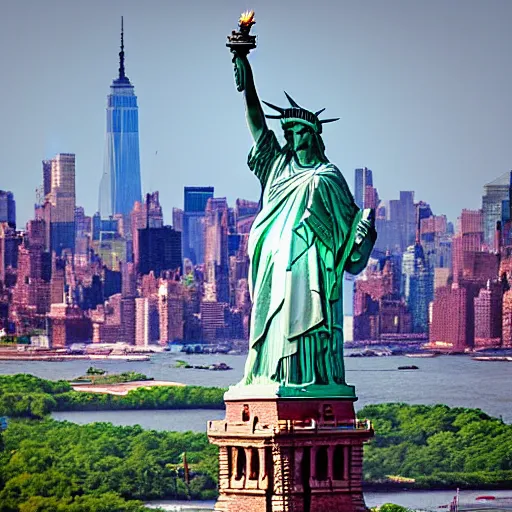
point(47, 465)
point(28, 396)
point(438, 447)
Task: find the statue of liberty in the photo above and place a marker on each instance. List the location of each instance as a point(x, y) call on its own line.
point(308, 232)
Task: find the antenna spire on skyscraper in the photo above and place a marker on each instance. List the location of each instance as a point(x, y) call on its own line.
point(120, 185)
point(121, 53)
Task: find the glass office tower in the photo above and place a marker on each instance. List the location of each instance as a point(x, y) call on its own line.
point(120, 184)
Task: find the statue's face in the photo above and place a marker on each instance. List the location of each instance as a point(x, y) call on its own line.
point(299, 136)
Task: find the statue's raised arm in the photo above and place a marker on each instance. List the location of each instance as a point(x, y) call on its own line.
point(245, 82)
point(241, 43)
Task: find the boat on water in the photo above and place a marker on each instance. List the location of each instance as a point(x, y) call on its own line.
point(492, 358)
point(128, 357)
point(408, 367)
point(421, 354)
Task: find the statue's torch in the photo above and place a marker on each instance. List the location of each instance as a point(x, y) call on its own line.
point(241, 41)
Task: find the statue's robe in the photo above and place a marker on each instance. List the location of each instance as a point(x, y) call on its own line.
point(299, 245)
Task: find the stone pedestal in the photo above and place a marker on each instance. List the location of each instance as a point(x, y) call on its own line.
point(290, 454)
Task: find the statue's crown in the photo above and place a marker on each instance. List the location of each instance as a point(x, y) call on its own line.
point(297, 114)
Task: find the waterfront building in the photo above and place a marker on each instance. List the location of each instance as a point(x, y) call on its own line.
point(488, 316)
point(506, 326)
point(128, 318)
point(171, 311)
point(495, 192)
point(213, 320)
point(120, 184)
point(3, 228)
point(30, 299)
point(61, 203)
point(146, 321)
point(195, 199)
point(448, 330)
point(68, 325)
point(452, 326)
point(363, 178)
point(107, 326)
point(8, 208)
point(379, 309)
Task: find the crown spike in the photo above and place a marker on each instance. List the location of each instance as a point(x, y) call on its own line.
point(273, 117)
point(293, 103)
point(319, 111)
point(278, 109)
point(323, 121)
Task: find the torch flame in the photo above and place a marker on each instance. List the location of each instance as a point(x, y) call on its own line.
point(247, 18)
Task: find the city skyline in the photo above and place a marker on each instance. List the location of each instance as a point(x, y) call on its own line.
point(423, 94)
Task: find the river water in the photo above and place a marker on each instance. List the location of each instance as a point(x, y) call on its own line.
point(452, 380)
point(417, 500)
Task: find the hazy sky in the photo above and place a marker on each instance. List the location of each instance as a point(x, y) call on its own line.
point(423, 89)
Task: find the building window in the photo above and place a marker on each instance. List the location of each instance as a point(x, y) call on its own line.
point(321, 462)
point(328, 413)
point(338, 463)
point(240, 463)
point(255, 464)
point(246, 413)
point(230, 461)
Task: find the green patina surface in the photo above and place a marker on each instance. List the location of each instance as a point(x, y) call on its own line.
point(308, 233)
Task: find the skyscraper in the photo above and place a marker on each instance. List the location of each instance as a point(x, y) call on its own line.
point(120, 184)
point(8, 208)
point(363, 179)
point(144, 215)
point(468, 240)
point(62, 203)
point(495, 193)
point(47, 177)
point(418, 285)
point(216, 249)
point(195, 200)
point(159, 250)
point(488, 315)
